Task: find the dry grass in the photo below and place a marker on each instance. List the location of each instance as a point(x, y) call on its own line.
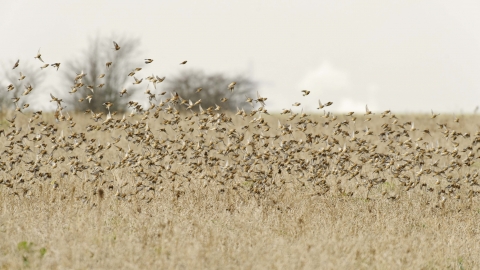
point(112, 221)
point(175, 186)
point(208, 228)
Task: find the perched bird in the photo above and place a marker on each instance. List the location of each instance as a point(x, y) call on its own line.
point(183, 63)
point(148, 61)
point(231, 86)
point(116, 46)
point(16, 64)
point(305, 92)
point(39, 56)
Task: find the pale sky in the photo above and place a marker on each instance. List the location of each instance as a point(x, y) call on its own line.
point(408, 56)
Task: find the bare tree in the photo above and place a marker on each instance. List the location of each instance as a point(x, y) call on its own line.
point(15, 81)
point(215, 87)
point(103, 82)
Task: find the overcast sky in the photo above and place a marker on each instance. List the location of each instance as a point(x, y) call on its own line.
point(408, 56)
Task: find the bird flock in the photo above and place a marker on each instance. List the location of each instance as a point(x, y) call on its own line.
point(175, 140)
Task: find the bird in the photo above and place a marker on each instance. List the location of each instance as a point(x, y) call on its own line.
point(16, 64)
point(367, 111)
point(21, 76)
point(148, 61)
point(296, 104)
point(57, 65)
point(320, 105)
point(137, 81)
point(231, 86)
point(44, 66)
point(59, 101)
point(183, 63)
point(107, 105)
point(101, 75)
point(305, 92)
point(199, 90)
point(108, 64)
point(116, 46)
point(28, 89)
point(123, 92)
point(39, 56)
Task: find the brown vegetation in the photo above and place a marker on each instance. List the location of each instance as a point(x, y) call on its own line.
point(175, 185)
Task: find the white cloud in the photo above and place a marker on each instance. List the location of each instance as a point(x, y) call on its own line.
point(325, 79)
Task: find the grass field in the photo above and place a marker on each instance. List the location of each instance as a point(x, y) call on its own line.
point(155, 200)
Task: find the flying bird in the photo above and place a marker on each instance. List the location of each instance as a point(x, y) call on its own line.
point(16, 64)
point(39, 56)
point(305, 92)
point(148, 61)
point(57, 65)
point(231, 86)
point(108, 64)
point(183, 63)
point(137, 81)
point(116, 46)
